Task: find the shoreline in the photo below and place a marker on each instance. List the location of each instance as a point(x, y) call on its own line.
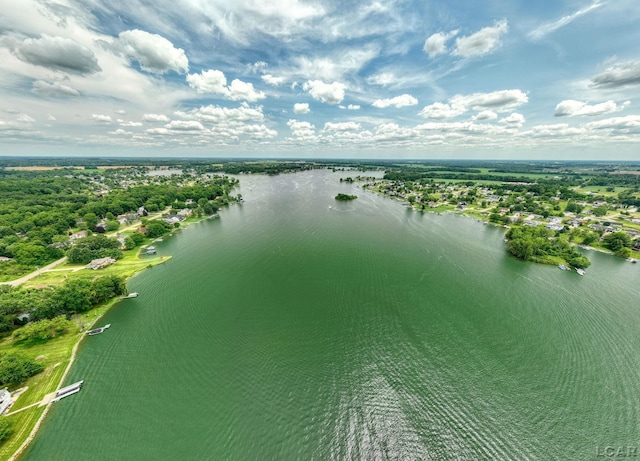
point(74, 351)
point(439, 211)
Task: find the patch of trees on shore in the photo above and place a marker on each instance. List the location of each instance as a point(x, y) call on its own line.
point(541, 245)
point(17, 305)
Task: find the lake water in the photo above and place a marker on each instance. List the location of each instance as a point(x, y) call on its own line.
point(296, 327)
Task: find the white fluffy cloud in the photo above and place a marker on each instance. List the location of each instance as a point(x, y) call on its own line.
point(208, 81)
point(619, 125)
point(513, 120)
point(55, 89)
point(272, 80)
point(301, 108)
point(558, 130)
point(618, 76)
point(482, 42)
point(439, 110)
point(398, 102)
point(224, 115)
point(184, 125)
point(57, 53)
point(155, 53)
point(214, 82)
point(244, 91)
point(101, 118)
point(497, 100)
point(302, 130)
point(329, 93)
point(487, 103)
point(341, 126)
point(572, 108)
point(155, 118)
point(437, 43)
point(485, 115)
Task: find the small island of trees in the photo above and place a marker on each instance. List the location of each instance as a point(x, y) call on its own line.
point(346, 197)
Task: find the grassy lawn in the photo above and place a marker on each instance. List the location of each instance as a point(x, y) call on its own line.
point(602, 190)
point(55, 355)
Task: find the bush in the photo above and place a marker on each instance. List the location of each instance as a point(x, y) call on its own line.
point(14, 368)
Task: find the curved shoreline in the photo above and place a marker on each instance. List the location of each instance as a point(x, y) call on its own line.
point(35, 429)
point(107, 307)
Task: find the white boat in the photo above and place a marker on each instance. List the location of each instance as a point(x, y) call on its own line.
point(132, 295)
point(563, 267)
point(580, 271)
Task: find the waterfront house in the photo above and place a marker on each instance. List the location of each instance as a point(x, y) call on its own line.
point(100, 263)
point(5, 399)
point(174, 218)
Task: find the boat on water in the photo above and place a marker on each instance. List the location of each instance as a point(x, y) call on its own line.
point(563, 267)
point(580, 271)
point(97, 331)
point(131, 295)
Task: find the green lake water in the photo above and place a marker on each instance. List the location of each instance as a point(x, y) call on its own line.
point(296, 327)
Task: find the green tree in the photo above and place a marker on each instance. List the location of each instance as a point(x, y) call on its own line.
point(73, 297)
point(600, 211)
point(91, 220)
point(6, 429)
point(30, 254)
point(15, 368)
point(105, 288)
point(94, 247)
point(112, 225)
point(157, 229)
point(616, 242)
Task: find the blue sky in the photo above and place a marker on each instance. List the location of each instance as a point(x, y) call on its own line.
point(336, 79)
